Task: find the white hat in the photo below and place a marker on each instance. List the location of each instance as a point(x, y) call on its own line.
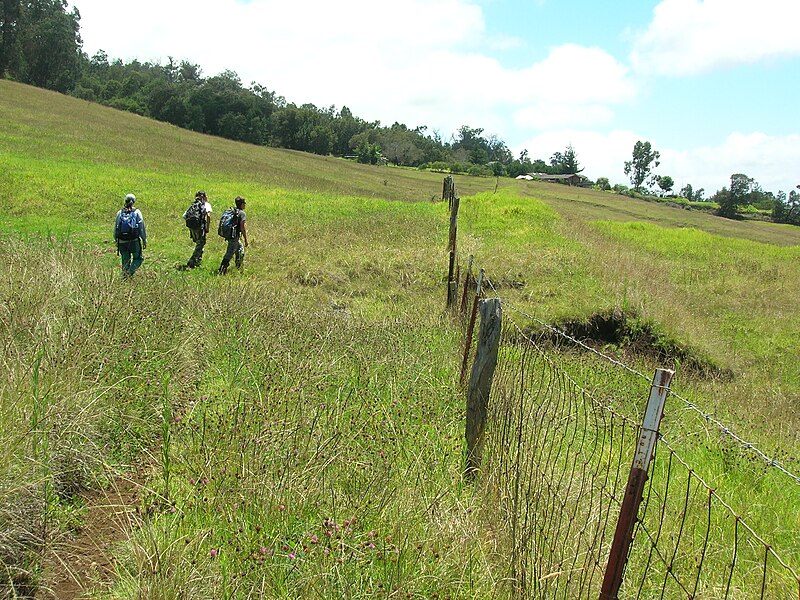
point(130, 198)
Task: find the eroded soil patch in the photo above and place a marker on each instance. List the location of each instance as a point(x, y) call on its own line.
point(84, 561)
point(626, 333)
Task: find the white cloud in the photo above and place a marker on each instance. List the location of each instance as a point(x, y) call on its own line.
point(688, 37)
point(770, 160)
point(573, 87)
point(420, 62)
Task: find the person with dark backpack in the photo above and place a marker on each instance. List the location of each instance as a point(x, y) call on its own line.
point(130, 236)
point(198, 220)
point(232, 226)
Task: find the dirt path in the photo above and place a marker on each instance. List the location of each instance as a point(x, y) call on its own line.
point(85, 560)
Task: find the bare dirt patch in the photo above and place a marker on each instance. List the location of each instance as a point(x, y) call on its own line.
point(84, 561)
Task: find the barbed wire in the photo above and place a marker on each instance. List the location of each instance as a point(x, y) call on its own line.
point(744, 443)
point(772, 462)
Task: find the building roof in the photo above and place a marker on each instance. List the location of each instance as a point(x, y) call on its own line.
point(557, 177)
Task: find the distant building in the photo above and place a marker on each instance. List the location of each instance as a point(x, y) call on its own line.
point(569, 179)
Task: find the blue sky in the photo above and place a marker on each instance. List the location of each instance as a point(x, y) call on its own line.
point(712, 84)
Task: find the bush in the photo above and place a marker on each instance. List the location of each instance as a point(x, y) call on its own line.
point(479, 171)
point(438, 166)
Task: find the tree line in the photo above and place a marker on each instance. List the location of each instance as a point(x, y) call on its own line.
point(743, 194)
point(40, 44)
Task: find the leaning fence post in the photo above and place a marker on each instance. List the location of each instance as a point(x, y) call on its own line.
point(623, 536)
point(480, 382)
point(471, 327)
point(451, 286)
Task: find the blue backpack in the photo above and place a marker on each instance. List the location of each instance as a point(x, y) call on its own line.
point(228, 224)
point(128, 228)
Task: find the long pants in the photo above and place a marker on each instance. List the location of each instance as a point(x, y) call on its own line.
point(199, 239)
point(236, 249)
point(131, 253)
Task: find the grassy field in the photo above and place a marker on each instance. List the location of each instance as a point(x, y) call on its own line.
point(298, 427)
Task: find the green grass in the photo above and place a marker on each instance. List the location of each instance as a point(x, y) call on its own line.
point(275, 405)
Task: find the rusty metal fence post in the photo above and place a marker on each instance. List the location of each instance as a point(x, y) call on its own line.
point(463, 308)
point(623, 536)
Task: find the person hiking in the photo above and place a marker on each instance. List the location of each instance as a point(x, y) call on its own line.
point(232, 226)
point(130, 236)
point(198, 220)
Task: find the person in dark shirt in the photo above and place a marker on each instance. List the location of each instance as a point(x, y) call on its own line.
point(235, 248)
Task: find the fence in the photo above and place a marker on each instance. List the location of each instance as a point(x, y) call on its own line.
point(553, 457)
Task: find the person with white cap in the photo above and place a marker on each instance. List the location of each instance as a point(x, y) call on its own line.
point(130, 236)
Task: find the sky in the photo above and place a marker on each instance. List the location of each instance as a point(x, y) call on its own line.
point(713, 85)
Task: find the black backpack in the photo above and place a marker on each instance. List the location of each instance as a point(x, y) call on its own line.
point(196, 214)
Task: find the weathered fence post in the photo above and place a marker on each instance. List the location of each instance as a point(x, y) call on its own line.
point(623, 536)
point(471, 327)
point(448, 190)
point(480, 382)
point(451, 284)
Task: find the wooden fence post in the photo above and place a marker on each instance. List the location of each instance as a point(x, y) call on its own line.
point(471, 327)
point(451, 286)
point(480, 382)
point(623, 536)
point(448, 190)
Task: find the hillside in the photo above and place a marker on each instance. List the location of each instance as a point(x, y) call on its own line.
point(38, 124)
point(296, 429)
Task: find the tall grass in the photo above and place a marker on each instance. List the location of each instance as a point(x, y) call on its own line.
point(299, 425)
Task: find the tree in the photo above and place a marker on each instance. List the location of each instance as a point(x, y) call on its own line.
point(471, 144)
point(738, 196)
point(368, 153)
point(10, 52)
point(565, 163)
point(346, 126)
point(189, 72)
point(787, 210)
point(644, 160)
point(665, 182)
point(687, 192)
point(603, 184)
point(498, 151)
point(539, 166)
point(399, 145)
point(50, 44)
